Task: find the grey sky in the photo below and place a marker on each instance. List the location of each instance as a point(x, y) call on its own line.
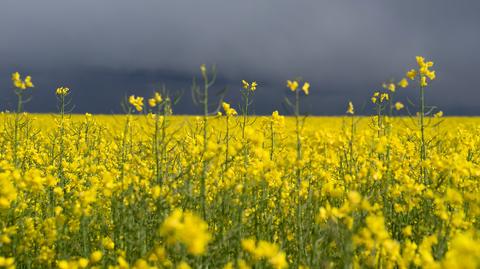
point(105, 49)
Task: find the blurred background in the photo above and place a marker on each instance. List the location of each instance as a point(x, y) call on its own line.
point(105, 50)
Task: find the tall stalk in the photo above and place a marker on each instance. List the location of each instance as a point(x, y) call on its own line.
point(16, 128)
point(298, 174)
point(293, 85)
point(20, 87)
point(61, 94)
point(201, 96)
point(423, 152)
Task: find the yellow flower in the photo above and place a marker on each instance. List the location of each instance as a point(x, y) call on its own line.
point(293, 85)
point(306, 88)
point(8, 192)
point(122, 263)
point(108, 243)
point(183, 265)
point(431, 75)
point(412, 74)
point(350, 109)
point(245, 84)
point(62, 91)
point(439, 114)
point(249, 245)
point(463, 251)
point(254, 86)
point(15, 76)
point(152, 102)
point(384, 96)
point(407, 231)
point(423, 71)
point(28, 82)
point(203, 69)
point(242, 264)
point(96, 256)
point(186, 228)
point(398, 106)
point(21, 84)
point(229, 265)
point(263, 249)
point(279, 260)
point(7, 262)
point(137, 102)
point(423, 81)
point(420, 61)
point(249, 86)
point(389, 86)
point(158, 97)
point(354, 197)
point(228, 110)
point(82, 263)
point(403, 83)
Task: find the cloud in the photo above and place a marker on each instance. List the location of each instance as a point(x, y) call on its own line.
point(345, 48)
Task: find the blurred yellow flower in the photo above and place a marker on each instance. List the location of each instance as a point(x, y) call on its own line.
point(96, 256)
point(21, 84)
point(423, 81)
point(350, 109)
point(246, 85)
point(306, 88)
point(253, 86)
point(137, 102)
point(412, 74)
point(228, 110)
point(62, 91)
point(398, 106)
point(249, 86)
point(186, 228)
point(403, 83)
point(292, 85)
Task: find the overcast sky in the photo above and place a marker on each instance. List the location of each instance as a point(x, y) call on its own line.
point(106, 49)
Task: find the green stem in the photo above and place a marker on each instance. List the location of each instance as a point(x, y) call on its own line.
point(423, 153)
point(205, 137)
point(16, 130)
point(298, 174)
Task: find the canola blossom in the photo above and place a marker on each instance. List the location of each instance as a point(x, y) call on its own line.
point(225, 190)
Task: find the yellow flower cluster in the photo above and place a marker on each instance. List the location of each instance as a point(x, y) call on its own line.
point(228, 110)
point(293, 86)
point(350, 108)
point(62, 91)
point(165, 191)
point(249, 86)
point(8, 192)
point(155, 100)
point(21, 84)
point(363, 194)
point(380, 97)
point(423, 72)
point(277, 119)
point(136, 102)
point(186, 228)
point(7, 263)
point(403, 83)
point(265, 250)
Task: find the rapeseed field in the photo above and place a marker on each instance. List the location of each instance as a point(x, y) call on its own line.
point(227, 189)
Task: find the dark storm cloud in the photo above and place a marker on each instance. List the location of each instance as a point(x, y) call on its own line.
point(105, 49)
